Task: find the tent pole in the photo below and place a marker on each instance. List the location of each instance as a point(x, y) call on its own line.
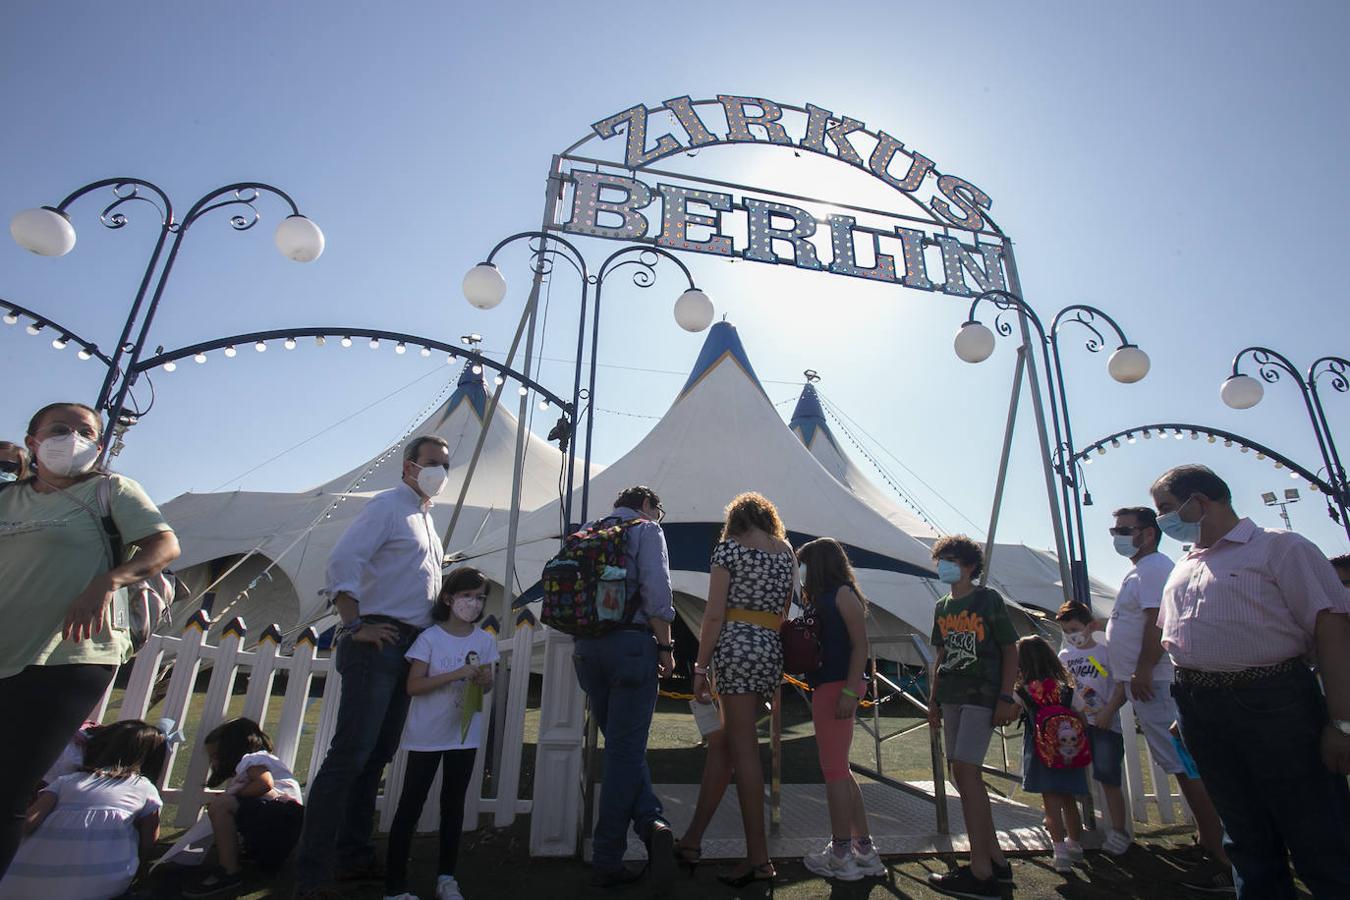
point(526, 316)
point(1037, 405)
point(1018, 369)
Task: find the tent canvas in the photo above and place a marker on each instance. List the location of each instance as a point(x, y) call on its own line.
point(217, 529)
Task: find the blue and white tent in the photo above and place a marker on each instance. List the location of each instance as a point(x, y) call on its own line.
point(721, 436)
point(288, 536)
point(1023, 574)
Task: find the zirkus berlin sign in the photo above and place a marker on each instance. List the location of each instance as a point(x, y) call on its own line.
point(942, 238)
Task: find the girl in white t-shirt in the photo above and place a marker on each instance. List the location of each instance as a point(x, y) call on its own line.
point(450, 676)
point(261, 810)
point(88, 830)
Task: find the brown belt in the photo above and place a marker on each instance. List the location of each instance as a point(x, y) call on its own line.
point(1194, 678)
point(763, 619)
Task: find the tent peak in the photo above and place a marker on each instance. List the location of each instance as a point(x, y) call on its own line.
point(808, 417)
point(721, 344)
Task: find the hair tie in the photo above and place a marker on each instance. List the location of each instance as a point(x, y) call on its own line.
point(173, 735)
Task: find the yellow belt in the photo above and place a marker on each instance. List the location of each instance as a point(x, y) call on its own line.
point(755, 617)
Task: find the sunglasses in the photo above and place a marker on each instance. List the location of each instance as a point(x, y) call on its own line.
point(1124, 532)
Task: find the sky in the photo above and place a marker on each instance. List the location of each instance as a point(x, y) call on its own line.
point(1178, 165)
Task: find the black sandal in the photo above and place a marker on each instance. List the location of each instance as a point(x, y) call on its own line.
point(763, 872)
point(688, 857)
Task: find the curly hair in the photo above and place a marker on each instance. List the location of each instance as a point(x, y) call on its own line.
point(752, 510)
point(962, 549)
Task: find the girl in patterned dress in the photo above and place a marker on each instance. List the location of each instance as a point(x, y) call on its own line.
point(87, 831)
point(749, 589)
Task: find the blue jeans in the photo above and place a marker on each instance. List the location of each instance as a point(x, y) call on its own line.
point(1256, 746)
point(340, 806)
point(618, 674)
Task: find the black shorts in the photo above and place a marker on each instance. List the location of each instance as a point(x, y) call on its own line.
point(269, 828)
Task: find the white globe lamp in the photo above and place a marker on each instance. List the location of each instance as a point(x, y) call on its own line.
point(974, 342)
point(299, 239)
point(693, 310)
point(484, 286)
point(1128, 364)
point(43, 230)
point(1241, 392)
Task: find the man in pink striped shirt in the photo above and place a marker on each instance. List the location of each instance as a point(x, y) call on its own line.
point(1241, 614)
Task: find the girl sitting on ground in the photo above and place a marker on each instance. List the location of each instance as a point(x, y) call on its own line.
point(1055, 752)
point(451, 671)
point(261, 809)
point(88, 831)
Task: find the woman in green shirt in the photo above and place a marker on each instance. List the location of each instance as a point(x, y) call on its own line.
point(59, 592)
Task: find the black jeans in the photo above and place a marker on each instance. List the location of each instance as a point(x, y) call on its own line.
point(49, 702)
point(340, 802)
point(457, 769)
point(1257, 748)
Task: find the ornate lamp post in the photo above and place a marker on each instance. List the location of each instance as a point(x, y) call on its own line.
point(974, 343)
point(1242, 391)
point(484, 287)
point(47, 231)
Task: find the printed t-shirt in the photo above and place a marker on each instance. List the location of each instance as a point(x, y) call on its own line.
point(51, 547)
point(283, 779)
point(450, 717)
point(1142, 589)
point(1091, 673)
point(973, 632)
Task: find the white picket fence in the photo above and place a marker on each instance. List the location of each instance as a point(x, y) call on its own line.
point(559, 749)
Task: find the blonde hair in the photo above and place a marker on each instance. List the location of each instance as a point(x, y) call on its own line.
point(752, 510)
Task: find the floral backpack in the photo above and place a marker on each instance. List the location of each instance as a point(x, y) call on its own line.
point(1059, 732)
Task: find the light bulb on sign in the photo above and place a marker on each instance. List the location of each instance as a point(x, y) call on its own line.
point(199, 358)
point(230, 351)
point(60, 343)
point(400, 347)
point(320, 340)
point(170, 366)
point(84, 353)
point(374, 343)
point(425, 352)
point(261, 346)
point(289, 343)
point(346, 340)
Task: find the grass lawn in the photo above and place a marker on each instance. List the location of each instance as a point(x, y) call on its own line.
point(496, 862)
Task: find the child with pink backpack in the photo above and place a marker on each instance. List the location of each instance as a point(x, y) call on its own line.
point(1056, 752)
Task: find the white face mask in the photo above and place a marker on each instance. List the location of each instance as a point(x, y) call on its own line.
point(1077, 639)
point(801, 574)
point(1124, 544)
point(67, 455)
point(467, 609)
point(431, 480)
point(8, 476)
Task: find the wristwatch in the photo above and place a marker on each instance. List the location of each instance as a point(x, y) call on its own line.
point(354, 625)
point(1007, 698)
point(1341, 725)
point(665, 648)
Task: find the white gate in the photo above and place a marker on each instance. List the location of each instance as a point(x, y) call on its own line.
point(558, 759)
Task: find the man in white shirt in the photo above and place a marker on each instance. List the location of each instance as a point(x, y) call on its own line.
point(383, 577)
point(1144, 672)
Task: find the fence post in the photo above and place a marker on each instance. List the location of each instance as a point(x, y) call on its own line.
point(184, 675)
point(1134, 770)
point(328, 710)
point(513, 728)
point(556, 810)
point(301, 664)
point(263, 673)
point(213, 713)
point(144, 674)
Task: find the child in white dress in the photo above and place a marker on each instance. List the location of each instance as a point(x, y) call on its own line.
point(87, 831)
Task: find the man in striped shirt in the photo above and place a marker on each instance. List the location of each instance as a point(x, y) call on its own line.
point(1241, 614)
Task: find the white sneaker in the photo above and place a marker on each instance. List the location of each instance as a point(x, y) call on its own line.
point(1117, 843)
point(825, 864)
point(448, 889)
point(870, 863)
point(1075, 851)
point(1063, 862)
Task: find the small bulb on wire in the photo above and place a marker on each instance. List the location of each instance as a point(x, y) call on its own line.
point(11, 318)
point(199, 358)
point(230, 351)
point(400, 347)
point(320, 340)
point(60, 343)
point(84, 354)
point(261, 346)
point(289, 343)
point(425, 351)
point(374, 343)
point(34, 328)
point(346, 340)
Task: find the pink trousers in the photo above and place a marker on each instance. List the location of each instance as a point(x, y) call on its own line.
point(833, 736)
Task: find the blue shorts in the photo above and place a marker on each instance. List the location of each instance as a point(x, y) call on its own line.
point(1108, 753)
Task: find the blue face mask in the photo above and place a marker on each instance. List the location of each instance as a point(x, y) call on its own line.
point(948, 572)
point(1178, 529)
point(1125, 545)
point(8, 476)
